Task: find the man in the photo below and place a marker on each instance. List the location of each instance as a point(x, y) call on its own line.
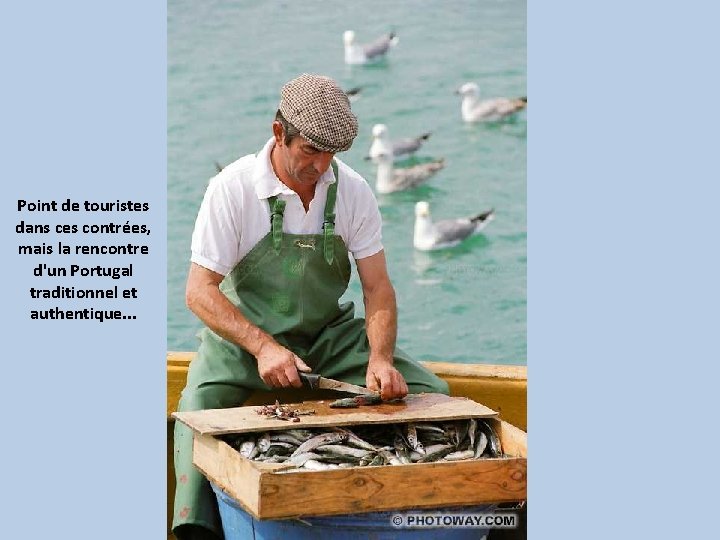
point(269, 264)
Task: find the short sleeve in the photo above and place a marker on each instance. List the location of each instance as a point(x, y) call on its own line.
point(365, 230)
point(216, 237)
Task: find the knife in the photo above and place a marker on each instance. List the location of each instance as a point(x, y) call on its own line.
point(314, 381)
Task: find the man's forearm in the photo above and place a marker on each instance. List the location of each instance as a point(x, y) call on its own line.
point(381, 322)
point(214, 309)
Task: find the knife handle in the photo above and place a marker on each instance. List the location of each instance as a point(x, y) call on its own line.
point(311, 380)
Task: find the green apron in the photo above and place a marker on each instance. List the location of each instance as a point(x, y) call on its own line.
point(289, 285)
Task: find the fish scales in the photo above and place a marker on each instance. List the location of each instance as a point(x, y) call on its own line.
point(319, 440)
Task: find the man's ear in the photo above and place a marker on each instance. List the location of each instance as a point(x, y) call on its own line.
point(278, 133)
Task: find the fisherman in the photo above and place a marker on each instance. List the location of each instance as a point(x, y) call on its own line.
point(269, 264)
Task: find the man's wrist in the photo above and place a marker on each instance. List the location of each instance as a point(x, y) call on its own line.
point(261, 342)
point(381, 359)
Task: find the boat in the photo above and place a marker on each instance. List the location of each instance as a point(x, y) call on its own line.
point(503, 388)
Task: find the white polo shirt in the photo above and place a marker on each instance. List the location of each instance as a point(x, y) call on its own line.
point(235, 215)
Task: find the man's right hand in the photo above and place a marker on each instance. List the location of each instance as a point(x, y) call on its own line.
point(278, 366)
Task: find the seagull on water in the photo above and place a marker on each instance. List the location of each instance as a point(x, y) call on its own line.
point(382, 145)
point(390, 179)
point(447, 233)
point(353, 93)
point(362, 54)
point(474, 110)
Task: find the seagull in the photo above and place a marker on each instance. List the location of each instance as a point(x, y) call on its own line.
point(447, 233)
point(362, 54)
point(390, 179)
point(381, 143)
point(353, 94)
point(474, 110)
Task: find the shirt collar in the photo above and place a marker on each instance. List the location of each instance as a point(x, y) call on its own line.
point(267, 184)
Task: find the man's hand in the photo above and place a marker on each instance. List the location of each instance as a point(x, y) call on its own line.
point(278, 366)
point(383, 377)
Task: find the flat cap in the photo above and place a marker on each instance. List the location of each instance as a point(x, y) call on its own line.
point(320, 110)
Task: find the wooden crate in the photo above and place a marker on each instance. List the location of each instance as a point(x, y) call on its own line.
point(265, 492)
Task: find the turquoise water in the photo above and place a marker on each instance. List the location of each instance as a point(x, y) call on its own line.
point(226, 64)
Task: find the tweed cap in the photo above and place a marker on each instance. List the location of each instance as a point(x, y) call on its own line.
point(321, 112)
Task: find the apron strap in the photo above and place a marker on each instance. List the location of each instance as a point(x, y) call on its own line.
point(277, 207)
point(329, 219)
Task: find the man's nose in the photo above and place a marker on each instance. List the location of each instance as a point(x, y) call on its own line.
point(322, 161)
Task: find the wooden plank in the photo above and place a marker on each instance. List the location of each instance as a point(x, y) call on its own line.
point(503, 388)
point(228, 470)
point(415, 407)
point(371, 489)
point(513, 440)
point(493, 371)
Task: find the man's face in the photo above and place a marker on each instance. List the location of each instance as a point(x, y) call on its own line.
point(301, 161)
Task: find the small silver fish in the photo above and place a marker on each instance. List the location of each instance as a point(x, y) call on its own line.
point(377, 460)
point(319, 440)
point(401, 450)
point(459, 456)
point(480, 445)
point(354, 440)
point(264, 442)
point(389, 457)
point(429, 428)
point(494, 447)
point(314, 465)
point(280, 436)
point(472, 428)
point(412, 438)
point(249, 449)
point(300, 459)
point(339, 449)
point(436, 451)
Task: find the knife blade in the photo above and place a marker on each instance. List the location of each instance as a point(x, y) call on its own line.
point(315, 381)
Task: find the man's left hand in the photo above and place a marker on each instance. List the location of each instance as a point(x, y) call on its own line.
point(383, 377)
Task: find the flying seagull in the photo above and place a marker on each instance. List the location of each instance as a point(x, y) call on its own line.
point(362, 54)
point(446, 233)
point(475, 110)
point(390, 179)
point(382, 145)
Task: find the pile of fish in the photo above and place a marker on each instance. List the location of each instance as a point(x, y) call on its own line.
point(371, 445)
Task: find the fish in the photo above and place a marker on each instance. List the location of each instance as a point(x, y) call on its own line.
point(275, 459)
point(356, 401)
point(401, 450)
point(300, 459)
point(388, 456)
point(354, 440)
point(458, 456)
point(377, 460)
point(280, 436)
point(435, 452)
point(412, 438)
point(481, 444)
point(430, 428)
point(279, 449)
point(494, 446)
point(249, 449)
point(472, 428)
point(264, 442)
point(299, 434)
point(319, 440)
point(344, 403)
point(314, 465)
point(462, 431)
point(339, 449)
